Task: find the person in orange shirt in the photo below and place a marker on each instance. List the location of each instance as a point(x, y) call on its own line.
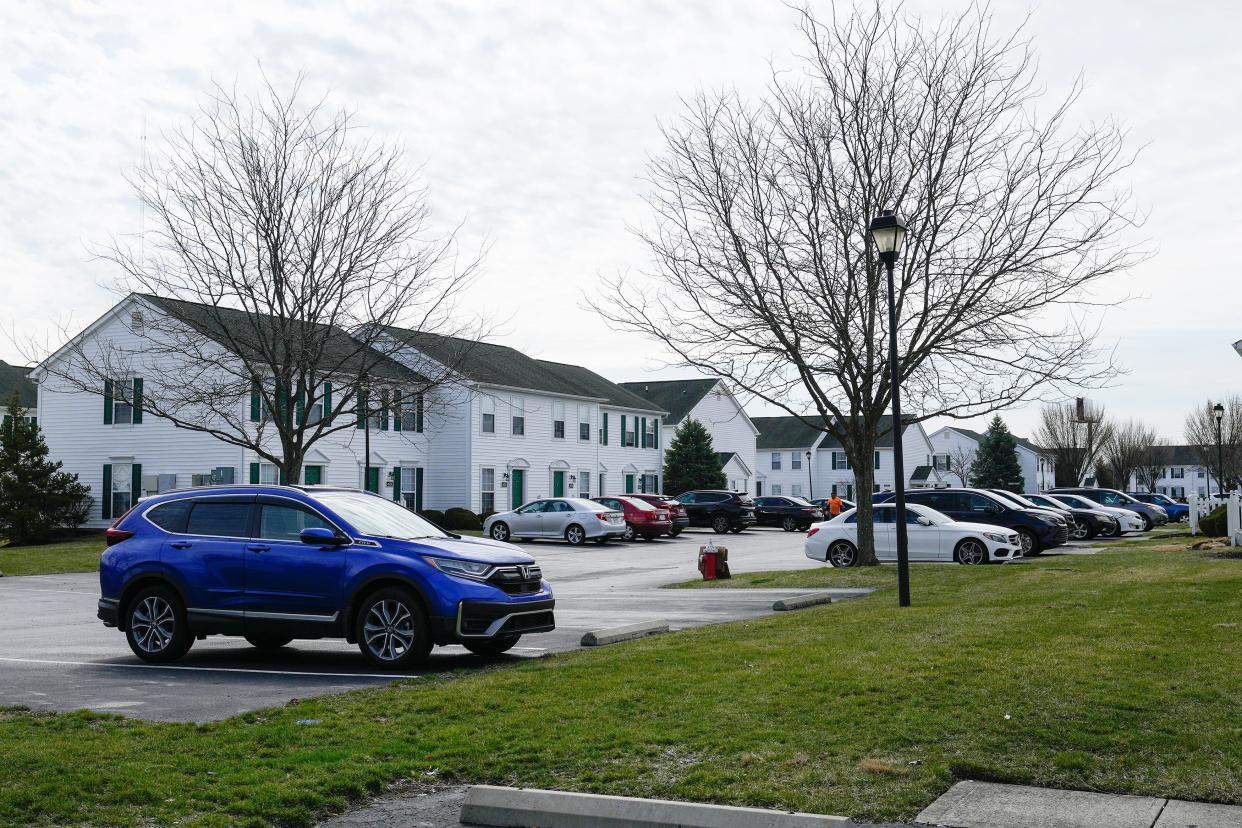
point(834, 505)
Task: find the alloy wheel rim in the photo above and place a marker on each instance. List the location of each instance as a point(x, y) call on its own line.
point(576, 536)
point(790, 525)
point(1027, 543)
point(971, 553)
point(1080, 530)
point(842, 555)
point(389, 630)
point(499, 532)
point(153, 624)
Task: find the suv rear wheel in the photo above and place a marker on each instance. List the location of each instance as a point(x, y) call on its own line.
point(789, 524)
point(391, 629)
point(720, 524)
point(155, 625)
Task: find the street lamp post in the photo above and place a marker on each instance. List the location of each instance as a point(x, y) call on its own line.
point(364, 403)
point(810, 480)
point(889, 232)
point(1218, 411)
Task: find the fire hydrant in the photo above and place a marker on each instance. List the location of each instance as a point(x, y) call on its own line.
point(714, 562)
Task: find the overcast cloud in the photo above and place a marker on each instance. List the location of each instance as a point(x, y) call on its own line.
point(533, 121)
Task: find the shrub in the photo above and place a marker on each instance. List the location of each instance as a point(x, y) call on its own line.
point(457, 518)
point(483, 516)
point(433, 515)
point(1215, 523)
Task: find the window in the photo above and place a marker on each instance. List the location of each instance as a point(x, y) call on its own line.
point(488, 407)
point(884, 514)
point(314, 411)
point(1179, 491)
point(534, 508)
point(407, 483)
point(584, 424)
point(407, 411)
point(795, 460)
point(776, 488)
point(941, 461)
point(518, 406)
point(776, 460)
point(649, 484)
point(796, 490)
point(171, 516)
point(1178, 472)
point(1200, 475)
point(649, 438)
point(219, 518)
point(122, 483)
point(488, 485)
point(558, 420)
point(287, 522)
point(119, 401)
point(840, 461)
point(269, 474)
point(629, 431)
point(584, 484)
point(977, 503)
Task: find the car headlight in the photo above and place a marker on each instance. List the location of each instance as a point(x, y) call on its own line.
point(992, 536)
point(1161, 510)
point(1050, 521)
point(463, 569)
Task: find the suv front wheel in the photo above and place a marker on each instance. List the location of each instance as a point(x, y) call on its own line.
point(391, 629)
point(155, 626)
point(720, 524)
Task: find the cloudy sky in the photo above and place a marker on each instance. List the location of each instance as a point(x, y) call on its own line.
point(533, 120)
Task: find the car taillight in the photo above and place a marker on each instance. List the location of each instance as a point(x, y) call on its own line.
point(602, 515)
point(113, 535)
point(811, 511)
point(812, 531)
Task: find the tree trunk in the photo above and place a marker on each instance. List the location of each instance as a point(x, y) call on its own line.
point(864, 482)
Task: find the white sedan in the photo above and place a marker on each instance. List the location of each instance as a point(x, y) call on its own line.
point(932, 536)
point(1127, 521)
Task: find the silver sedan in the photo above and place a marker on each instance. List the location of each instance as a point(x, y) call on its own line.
point(569, 518)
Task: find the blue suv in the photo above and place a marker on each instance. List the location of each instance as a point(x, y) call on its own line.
point(275, 563)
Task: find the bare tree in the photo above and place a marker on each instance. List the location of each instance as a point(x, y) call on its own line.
point(1076, 447)
point(961, 461)
point(285, 245)
point(764, 271)
point(1151, 464)
point(1201, 435)
point(1128, 445)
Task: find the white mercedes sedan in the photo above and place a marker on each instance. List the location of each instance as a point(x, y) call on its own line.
point(932, 536)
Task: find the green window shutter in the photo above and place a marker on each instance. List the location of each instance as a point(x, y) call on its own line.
point(105, 498)
point(254, 472)
point(135, 483)
point(383, 396)
point(396, 483)
point(281, 479)
point(256, 401)
point(418, 417)
point(642, 434)
point(299, 406)
point(137, 401)
point(396, 410)
point(657, 434)
point(418, 489)
point(362, 408)
point(34, 421)
point(603, 439)
point(623, 432)
point(327, 400)
point(877, 459)
point(108, 410)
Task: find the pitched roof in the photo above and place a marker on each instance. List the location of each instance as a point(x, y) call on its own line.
point(792, 432)
point(1179, 455)
point(16, 378)
point(491, 364)
point(725, 456)
point(239, 331)
point(921, 473)
point(676, 397)
point(1022, 441)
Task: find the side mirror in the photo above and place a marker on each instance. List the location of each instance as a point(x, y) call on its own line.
point(993, 509)
point(321, 536)
point(924, 521)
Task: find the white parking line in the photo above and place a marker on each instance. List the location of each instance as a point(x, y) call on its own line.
point(389, 676)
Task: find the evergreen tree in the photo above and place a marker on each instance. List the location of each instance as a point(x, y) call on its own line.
point(36, 497)
point(691, 462)
point(996, 461)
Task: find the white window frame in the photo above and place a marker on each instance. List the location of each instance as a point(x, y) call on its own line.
point(122, 484)
point(584, 484)
point(776, 461)
point(517, 416)
point(558, 418)
point(795, 461)
point(487, 488)
point(795, 490)
point(123, 400)
point(649, 434)
point(776, 490)
point(487, 408)
point(269, 470)
point(842, 464)
point(584, 423)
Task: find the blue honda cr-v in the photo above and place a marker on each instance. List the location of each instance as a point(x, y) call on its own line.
point(275, 563)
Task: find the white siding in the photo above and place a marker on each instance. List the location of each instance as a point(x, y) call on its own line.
point(950, 441)
point(731, 429)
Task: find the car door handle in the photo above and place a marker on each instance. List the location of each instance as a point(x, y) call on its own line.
point(256, 547)
point(180, 544)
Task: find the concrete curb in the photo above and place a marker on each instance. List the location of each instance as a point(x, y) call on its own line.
point(801, 601)
point(531, 808)
point(612, 635)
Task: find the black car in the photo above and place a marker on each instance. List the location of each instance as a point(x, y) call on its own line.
point(1037, 530)
point(721, 510)
point(793, 514)
point(1151, 514)
point(1086, 523)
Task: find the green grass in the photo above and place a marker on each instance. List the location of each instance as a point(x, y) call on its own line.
point(77, 554)
point(1115, 672)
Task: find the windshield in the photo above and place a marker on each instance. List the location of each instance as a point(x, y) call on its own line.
point(1022, 501)
point(1013, 501)
point(373, 515)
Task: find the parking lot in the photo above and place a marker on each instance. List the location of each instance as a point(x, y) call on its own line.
point(54, 654)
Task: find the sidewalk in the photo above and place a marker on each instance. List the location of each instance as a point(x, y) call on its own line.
point(988, 805)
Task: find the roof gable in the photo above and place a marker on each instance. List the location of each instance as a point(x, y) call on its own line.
point(677, 397)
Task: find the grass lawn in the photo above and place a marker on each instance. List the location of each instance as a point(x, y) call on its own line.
point(78, 554)
point(1115, 672)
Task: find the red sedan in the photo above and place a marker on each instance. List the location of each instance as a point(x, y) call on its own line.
point(678, 512)
point(641, 518)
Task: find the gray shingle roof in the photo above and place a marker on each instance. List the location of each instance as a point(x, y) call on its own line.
point(1179, 455)
point(792, 432)
point(491, 364)
point(1022, 441)
point(725, 456)
point(247, 335)
point(676, 397)
point(920, 473)
point(15, 378)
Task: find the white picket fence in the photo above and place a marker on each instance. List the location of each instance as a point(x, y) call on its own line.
point(1201, 506)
